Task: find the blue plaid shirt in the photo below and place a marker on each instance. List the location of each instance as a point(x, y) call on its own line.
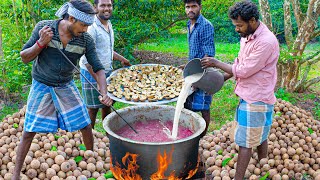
point(201, 43)
point(201, 39)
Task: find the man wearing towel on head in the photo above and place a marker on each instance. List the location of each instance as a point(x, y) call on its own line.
point(255, 71)
point(54, 100)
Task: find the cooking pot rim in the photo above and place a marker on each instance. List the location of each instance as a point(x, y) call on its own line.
point(202, 125)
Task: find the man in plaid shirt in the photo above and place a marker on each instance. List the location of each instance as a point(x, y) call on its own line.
point(201, 44)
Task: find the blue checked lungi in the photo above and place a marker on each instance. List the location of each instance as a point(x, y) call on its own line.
point(90, 95)
point(50, 108)
point(199, 100)
point(252, 123)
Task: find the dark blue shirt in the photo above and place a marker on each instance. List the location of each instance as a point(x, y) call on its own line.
point(201, 39)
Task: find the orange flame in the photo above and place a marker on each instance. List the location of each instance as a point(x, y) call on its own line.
point(192, 172)
point(132, 167)
point(163, 163)
point(130, 172)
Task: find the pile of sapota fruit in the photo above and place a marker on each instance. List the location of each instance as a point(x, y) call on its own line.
point(293, 149)
point(53, 156)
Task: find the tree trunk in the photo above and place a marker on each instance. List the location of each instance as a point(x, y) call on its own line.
point(287, 24)
point(265, 13)
point(297, 11)
point(289, 65)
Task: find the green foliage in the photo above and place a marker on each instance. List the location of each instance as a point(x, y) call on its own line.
point(4, 111)
point(133, 23)
point(78, 159)
point(136, 22)
point(15, 125)
point(284, 95)
point(265, 176)
point(226, 161)
point(56, 137)
point(216, 11)
point(310, 130)
point(177, 44)
point(54, 148)
point(223, 106)
point(14, 74)
point(108, 174)
point(82, 147)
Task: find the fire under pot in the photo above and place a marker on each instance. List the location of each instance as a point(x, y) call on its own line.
point(182, 153)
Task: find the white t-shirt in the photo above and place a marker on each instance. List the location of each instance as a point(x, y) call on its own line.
point(104, 41)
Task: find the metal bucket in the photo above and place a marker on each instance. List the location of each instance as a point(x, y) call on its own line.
point(211, 80)
point(185, 151)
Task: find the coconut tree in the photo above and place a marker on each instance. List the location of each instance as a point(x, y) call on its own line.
point(291, 60)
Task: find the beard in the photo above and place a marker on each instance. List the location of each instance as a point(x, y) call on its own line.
point(103, 17)
point(70, 29)
point(247, 32)
point(195, 15)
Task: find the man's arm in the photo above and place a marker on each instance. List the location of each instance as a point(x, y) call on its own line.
point(93, 33)
point(123, 60)
point(36, 43)
point(227, 76)
point(101, 80)
point(212, 62)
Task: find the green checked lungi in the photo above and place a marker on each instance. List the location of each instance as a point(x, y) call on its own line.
point(50, 108)
point(90, 95)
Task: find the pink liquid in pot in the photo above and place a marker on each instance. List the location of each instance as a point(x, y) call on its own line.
point(152, 131)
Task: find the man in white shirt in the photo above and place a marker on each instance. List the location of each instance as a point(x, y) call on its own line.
point(102, 33)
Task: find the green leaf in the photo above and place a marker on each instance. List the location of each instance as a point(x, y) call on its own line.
point(225, 162)
point(15, 125)
point(82, 147)
point(78, 159)
point(232, 155)
point(310, 130)
point(108, 174)
point(56, 137)
point(92, 179)
point(265, 176)
point(220, 152)
point(53, 148)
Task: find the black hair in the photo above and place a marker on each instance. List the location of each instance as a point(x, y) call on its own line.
point(96, 2)
point(189, 1)
point(81, 5)
point(244, 9)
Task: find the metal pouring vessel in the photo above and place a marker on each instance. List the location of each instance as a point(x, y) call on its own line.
point(211, 80)
point(185, 151)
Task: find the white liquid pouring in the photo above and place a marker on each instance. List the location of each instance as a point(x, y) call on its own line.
point(184, 93)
